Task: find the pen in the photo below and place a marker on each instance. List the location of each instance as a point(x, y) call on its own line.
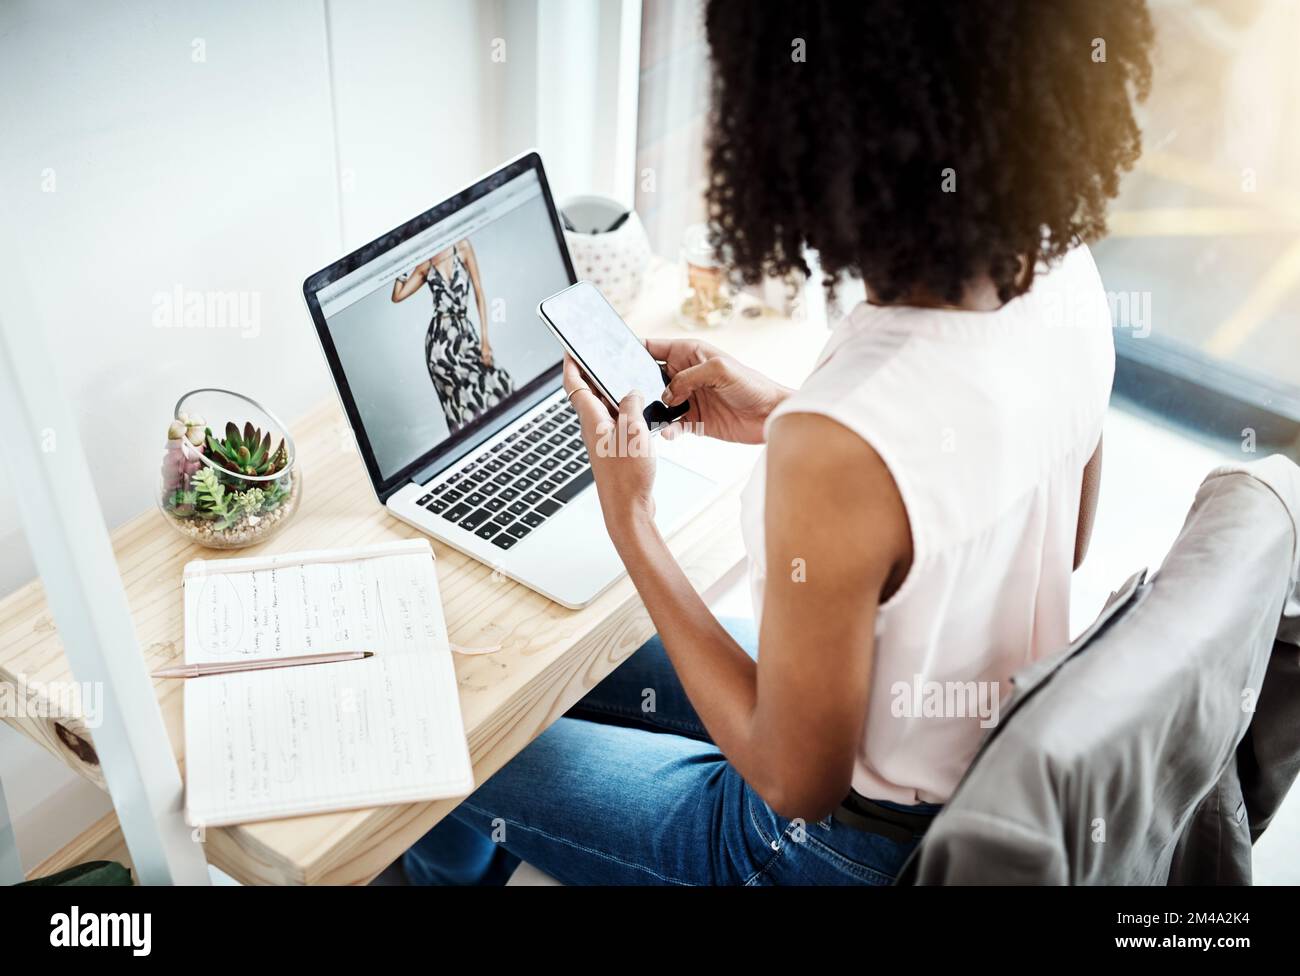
point(259, 664)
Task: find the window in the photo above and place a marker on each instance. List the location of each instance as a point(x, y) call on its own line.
point(1203, 259)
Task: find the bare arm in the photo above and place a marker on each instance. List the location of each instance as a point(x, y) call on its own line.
point(402, 290)
point(471, 265)
point(1088, 495)
point(792, 722)
point(820, 604)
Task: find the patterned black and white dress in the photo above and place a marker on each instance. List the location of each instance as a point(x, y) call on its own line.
point(452, 349)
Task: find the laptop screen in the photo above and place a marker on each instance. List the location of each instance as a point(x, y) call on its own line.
point(432, 330)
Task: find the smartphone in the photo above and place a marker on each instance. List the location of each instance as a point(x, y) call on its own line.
point(615, 360)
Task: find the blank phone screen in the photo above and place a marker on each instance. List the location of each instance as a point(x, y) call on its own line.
point(605, 347)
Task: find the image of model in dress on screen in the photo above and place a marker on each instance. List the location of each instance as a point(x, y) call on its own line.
point(460, 362)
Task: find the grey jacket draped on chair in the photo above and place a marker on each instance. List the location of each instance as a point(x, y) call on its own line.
point(1157, 747)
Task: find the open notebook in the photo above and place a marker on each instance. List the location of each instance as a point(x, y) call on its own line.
point(300, 740)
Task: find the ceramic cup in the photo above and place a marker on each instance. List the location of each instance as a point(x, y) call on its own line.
point(614, 261)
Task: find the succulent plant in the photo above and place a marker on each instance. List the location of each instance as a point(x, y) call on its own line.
point(251, 500)
point(211, 500)
point(248, 452)
point(275, 493)
point(182, 503)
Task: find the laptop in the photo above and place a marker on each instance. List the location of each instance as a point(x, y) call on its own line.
point(465, 431)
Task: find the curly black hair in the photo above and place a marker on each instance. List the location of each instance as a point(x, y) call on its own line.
point(920, 145)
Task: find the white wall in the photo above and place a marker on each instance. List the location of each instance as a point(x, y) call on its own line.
point(232, 147)
point(148, 146)
point(409, 82)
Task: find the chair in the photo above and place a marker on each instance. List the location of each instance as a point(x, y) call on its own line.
point(1156, 748)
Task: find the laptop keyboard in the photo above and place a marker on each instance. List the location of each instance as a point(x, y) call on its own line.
point(515, 486)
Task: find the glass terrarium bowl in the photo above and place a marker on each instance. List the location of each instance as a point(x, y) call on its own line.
point(229, 477)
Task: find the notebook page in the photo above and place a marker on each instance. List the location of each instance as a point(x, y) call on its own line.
point(300, 740)
point(304, 604)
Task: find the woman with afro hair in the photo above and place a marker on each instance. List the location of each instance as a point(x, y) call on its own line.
point(923, 497)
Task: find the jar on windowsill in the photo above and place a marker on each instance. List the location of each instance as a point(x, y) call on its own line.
point(709, 298)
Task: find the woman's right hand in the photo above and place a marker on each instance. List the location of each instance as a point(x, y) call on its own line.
point(729, 401)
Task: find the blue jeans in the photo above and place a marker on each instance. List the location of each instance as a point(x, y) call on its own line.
point(628, 789)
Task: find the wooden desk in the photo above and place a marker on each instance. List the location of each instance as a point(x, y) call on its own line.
point(549, 658)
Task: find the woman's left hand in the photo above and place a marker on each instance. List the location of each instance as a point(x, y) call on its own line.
point(485, 355)
point(621, 452)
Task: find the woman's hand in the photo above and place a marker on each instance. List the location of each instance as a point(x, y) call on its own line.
point(729, 401)
point(621, 451)
point(485, 355)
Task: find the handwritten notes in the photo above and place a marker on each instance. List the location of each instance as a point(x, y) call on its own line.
point(299, 740)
